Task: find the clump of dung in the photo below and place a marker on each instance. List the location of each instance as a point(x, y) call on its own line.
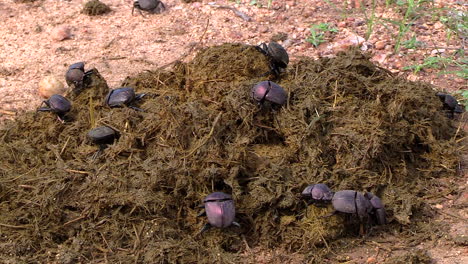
point(95, 8)
point(347, 123)
point(418, 256)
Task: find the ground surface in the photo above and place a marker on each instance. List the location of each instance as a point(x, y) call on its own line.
point(119, 45)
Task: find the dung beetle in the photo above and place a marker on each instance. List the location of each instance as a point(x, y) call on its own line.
point(367, 207)
point(317, 194)
point(220, 211)
point(151, 6)
point(102, 136)
point(352, 202)
point(76, 75)
point(378, 209)
point(124, 96)
point(450, 104)
point(57, 104)
point(277, 55)
point(269, 91)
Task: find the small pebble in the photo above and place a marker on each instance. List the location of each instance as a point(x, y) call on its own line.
point(61, 33)
point(380, 45)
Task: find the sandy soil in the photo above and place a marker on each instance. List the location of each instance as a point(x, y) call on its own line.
point(120, 44)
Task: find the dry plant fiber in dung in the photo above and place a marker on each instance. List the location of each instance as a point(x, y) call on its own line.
point(347, 123)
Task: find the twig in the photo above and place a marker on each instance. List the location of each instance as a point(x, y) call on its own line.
point(137, 240)
point(64, 146)
point(112, 42)
point(205, 139)
point(15, 227)
point(6, 112)
point(74, 220)
point(77, 171)
point(336, 92)
point(24, 186)
point(238, 13)
point(116, 58)
point(454, 216)
point(105, 241)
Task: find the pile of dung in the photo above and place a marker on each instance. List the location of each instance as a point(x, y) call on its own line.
point(95, 8)
point(347, 123)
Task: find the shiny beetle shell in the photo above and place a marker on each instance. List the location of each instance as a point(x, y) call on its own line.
point(121, 96)
point(75, 74)
point(278, 54)
point(318, 192)
point(152, 6)
point(219, 209)
point(102, 135)
point(58, 104)
point(352, 202)
point(450, 103)
point(378, 208)
point(269, 91)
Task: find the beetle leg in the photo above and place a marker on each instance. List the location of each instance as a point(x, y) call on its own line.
point(262, 48)
point(44, 109)
point(202, 213)
point(328, 215)
point(141, 13)
point(61, 118)
point(139, 96)
point(88, 72)
point(98, 153)
point(160, 7)
point(274, 69)
point(136, 108)
point(204, 229)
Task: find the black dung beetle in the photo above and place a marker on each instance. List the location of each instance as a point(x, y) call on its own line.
point(102, 136)
point(269, 91)
point(76, 75)
point(277, 55)
point(220, 211)
point(124, 96)
point(450, 104)
point(57, 104)
point(151, 6)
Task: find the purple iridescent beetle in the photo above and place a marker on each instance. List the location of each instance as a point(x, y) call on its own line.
point(220, 211)
point(57, 104)
point(365, 206)
point(317, 193)
point(269, 91)
point(352, 202)
point(378, 208)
